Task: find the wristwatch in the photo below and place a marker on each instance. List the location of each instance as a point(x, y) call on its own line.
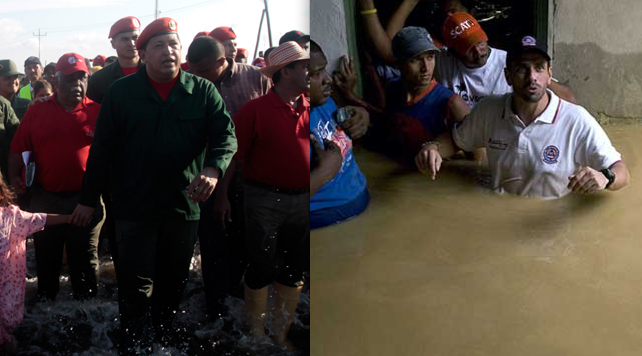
point(609, 175)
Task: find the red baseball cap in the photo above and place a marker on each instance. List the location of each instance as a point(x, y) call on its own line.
point(241, 53)
point(71, 63)
point(259, 62)
point(158, 27)
point(223, 33)
point(129, 23)
point(100, 59)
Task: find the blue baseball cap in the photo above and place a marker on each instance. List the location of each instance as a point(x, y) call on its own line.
point(410, 42)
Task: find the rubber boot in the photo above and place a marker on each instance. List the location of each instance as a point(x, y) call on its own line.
point(255, 309)
point(286, 300)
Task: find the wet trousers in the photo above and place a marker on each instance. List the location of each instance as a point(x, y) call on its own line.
point(81, 245)
point(223, 253)
point(153, 266)
point(277, 237)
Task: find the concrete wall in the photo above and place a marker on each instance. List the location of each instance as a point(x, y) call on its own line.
point(597, 49)
point(328, 28)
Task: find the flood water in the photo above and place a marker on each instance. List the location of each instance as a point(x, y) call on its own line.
point(446, 268)
point(69, 327)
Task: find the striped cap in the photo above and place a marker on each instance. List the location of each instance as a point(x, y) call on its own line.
point(283, 55)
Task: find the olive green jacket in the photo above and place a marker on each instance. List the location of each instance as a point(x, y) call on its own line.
point(100, 81)
point(151, 150)
point(8, 125)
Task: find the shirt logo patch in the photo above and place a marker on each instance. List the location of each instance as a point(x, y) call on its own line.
point(551, 154)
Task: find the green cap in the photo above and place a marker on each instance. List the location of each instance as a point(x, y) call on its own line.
point(8, 68)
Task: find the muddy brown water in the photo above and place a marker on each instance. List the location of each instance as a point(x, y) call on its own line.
point(448, 268)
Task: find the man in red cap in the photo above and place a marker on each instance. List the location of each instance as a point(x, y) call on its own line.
point(59, 132)
point(221, 228)
point(227, 37)
point(241, 55)
point(154, 128)
point(99, 60)
point(123, 34)
point(274, 146)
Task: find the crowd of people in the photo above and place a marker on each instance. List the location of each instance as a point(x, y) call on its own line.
point(436, 95)
point(151, 155)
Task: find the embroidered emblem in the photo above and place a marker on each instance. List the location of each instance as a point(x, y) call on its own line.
point(529, 41)
point(136, 23)
point(73, 60)
point(551, 154)
point(172, 25)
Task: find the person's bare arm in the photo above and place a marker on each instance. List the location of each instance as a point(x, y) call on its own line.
point(345, 80)
point(588, 180)
point(432, 153)
point(458, 109)
point(562, 91)
point(398, 19)
point(375, 33)
point(328, 161)
point(56, 219)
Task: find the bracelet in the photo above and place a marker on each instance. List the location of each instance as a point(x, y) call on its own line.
point(437, 144)
point(369, 12)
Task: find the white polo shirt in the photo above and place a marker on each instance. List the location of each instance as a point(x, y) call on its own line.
point(535, 160)
point(473, 84)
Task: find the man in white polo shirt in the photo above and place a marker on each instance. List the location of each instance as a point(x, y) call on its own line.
point(538, 144)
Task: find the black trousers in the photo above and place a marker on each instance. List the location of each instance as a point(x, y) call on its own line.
point(223, 252)
point(153, 267)
point(277, 237)
point(81, 242)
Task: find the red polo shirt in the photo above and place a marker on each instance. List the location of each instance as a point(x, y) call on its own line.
point(59, 141)
point(274, 141)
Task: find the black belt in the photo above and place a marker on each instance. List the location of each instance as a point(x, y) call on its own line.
point(277, 189)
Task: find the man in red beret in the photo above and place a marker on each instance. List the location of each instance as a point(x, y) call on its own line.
point(227, 37)
point(165, 138)
point(241, 55)
point(221, 228)
point(59, 132)
point(274, 147)
point(123, 34)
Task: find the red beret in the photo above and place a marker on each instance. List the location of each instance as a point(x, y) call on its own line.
point(223, 33)
point(162, 26)
point(125, 24)
point(241, 52)
point(201, 34)
point(71, 63)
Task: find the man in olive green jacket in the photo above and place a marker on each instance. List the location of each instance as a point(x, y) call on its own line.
point(8, 125)
point(151, 135)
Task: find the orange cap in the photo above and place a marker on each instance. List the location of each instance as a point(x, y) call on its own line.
point(162, 26)
point(129, 23)
point(461, 31)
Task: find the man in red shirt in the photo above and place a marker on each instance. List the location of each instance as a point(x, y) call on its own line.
point(273, 133)
point(59, 132)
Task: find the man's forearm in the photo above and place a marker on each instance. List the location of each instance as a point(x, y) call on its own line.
point(224, 182)
point(622, 176)
point(398, 19)
point(445, 145)
point(375, 33)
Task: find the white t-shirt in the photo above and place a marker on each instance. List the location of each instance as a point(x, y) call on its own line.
point(473, 84)
point(535, 160)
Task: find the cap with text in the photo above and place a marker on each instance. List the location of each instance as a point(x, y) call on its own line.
point(461, 31)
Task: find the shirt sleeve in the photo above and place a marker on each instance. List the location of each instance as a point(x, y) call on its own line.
point(470, 133)
point(222, 141)
point(598, 151)
point(100, 152)
point(244, 122)
point(26, 223)
point(19, 131)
